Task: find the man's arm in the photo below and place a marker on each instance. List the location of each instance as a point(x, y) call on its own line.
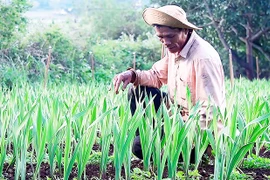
point(154, 77)
point(126, 77)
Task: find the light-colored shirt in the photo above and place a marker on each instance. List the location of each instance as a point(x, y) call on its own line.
point(198, 67)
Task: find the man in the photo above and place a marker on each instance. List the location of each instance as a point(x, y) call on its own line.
point(190, 62)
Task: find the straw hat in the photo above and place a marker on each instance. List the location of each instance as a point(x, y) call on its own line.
point(170, 15)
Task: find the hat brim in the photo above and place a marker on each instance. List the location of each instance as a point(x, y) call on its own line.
point(153, 16)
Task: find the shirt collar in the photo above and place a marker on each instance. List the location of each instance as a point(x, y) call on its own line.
point(187, 47)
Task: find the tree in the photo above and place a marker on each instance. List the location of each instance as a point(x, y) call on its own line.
point(11, 21)
point(110, 19)
point(241, 25)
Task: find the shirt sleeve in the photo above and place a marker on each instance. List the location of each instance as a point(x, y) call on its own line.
point(155, 77)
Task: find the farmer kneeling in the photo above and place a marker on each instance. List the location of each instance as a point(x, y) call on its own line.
point(189, 62)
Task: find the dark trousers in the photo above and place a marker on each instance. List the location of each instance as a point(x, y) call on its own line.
point(137, 95)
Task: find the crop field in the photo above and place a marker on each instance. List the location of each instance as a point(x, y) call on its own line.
point(85, 131)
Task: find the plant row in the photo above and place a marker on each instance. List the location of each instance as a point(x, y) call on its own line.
point(62, 123)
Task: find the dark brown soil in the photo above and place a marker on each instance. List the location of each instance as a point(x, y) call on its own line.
point(92, 170)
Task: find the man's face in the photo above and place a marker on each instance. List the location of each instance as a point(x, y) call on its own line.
point(173, 39)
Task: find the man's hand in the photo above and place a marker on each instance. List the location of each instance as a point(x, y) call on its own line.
point(125, 77)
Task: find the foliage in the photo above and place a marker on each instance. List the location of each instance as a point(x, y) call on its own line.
point(95, 158)
point(238, 176)
point(138, 174)
point(68, 62)
point(191, 175)
point(254, 161)
point(114, 56)
point(64, 53)
point(126, 18)
point(12, 21)
point(9, 76)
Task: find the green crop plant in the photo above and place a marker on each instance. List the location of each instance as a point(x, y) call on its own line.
point(236, 139)
point(3, 132)
point(54, 134)
point(39, 139)
point(59, 126)
point(177, 132)
point(80, 146)
point(88, 139)
point(68, 156)
point(105, 136)
point(159, 154)
point(150, 131)
point(201, 140)
point(124, 128)
point(146, 130)
point(21, 133)
point(189, 141)
point(201, 144)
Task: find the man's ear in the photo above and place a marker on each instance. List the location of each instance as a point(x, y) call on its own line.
point(186, 31)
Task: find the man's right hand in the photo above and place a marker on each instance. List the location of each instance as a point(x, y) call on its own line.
point(125, 77)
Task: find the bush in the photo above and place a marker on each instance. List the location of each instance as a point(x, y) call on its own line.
point(114, 56)
point(11, 76)
point(68, 62)
point(11, 21)
point(109, 19)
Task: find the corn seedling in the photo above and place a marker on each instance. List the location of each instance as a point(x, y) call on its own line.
point(87, 141)
point(124, 128)
point(69, 155)
point(21, 132)
point(194, 117)
point(39, 139)
point(150, 132)
point(54, 135)
point(176, 131)
point(230, 148)
point(159, 155)
point(105, 136)
point(146, 131)
point(3, 140)
point(69, 158)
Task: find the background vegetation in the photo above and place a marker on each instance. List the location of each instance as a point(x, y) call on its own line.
point(114, 34)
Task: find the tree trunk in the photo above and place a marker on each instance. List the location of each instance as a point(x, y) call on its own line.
point(249, 56)
point(250, 71)
point(225, 44)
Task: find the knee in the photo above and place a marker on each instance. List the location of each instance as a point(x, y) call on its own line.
point(131, 92)
point(136, 147)
point(136, 91)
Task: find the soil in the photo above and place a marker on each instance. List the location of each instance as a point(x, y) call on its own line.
point(92, 170)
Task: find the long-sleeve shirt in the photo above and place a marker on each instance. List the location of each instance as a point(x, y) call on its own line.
point(198, 67)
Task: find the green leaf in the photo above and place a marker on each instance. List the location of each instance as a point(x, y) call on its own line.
point(238, 157)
